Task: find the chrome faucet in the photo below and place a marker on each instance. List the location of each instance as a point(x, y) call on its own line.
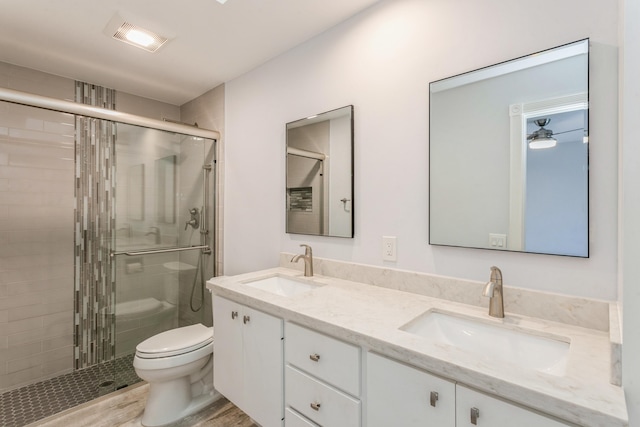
point(155, 231)
point(493, 290)
point(308, 260)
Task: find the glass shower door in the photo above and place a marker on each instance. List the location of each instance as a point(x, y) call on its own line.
point(160, 216)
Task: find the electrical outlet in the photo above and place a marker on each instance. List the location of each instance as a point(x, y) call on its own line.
point(389, 248)
point(498, 241)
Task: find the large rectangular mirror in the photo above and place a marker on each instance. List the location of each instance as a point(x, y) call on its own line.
point(319, 171)
point(508, 155)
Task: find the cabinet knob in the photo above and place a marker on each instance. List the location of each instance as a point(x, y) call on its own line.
point(315, 406)
point(234, 314)
point(433, 398)
point(475, 414)
point(245, 319)
point(315, 357)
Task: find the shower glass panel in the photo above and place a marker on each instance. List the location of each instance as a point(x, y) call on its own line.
point(159, 207)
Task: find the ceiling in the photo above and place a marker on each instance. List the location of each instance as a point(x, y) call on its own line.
point(209, 43)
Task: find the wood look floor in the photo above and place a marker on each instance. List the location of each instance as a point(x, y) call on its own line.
point(125, 408)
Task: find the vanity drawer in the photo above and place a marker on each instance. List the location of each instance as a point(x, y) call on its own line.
point(319, 402)
point(293, 419)
point(329, 359)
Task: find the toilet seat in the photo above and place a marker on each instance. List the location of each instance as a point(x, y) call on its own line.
point(175, 342)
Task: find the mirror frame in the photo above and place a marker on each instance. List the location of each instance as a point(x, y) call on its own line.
point(516, 153)
point(346, 202)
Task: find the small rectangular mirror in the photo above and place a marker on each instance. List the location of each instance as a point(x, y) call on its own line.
point(319, 169)
point(508, 155)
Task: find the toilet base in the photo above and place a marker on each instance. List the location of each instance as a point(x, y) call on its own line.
point(171, 401)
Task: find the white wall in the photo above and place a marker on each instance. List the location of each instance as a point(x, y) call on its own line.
point(382, 62)
point(630, 206)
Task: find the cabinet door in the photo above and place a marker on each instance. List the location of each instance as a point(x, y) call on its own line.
point(228, 349)
point(492, 412)
point(399, 395)
point(263, 364)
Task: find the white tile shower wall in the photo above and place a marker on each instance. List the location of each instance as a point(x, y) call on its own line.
point(36, 240)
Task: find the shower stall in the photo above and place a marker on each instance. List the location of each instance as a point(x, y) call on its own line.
point(106, 238)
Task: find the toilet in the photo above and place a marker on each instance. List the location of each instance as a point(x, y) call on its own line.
point(178, 365)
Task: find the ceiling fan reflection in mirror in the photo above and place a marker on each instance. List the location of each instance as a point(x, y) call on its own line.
point(543, 137)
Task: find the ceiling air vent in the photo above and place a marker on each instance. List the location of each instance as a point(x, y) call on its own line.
point(139, 37)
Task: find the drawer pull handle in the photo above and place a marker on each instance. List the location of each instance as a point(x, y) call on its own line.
point(246, 319)
point(315, 406)
point(315, 357)
point(475, 414)
point(434, 398)
point(234, 314)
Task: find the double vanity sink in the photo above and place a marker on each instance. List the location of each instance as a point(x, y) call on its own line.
point(484, 338)
point(555, 368)
point(479, 337)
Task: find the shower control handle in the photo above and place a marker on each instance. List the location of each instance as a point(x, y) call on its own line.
point(193, 222)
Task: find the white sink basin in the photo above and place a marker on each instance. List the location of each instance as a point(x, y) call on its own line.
point(283, 286)
point(493, 342)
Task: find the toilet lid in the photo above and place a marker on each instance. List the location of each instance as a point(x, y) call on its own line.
point(177, 341)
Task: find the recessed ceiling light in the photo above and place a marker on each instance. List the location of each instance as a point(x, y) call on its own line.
point(139, 37)
point(222, 1)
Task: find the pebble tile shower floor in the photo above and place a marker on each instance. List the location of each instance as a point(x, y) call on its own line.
point(27, 404)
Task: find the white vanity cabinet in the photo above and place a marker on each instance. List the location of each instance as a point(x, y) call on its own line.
point(248, 360)
point(322, 379)
point(478, 409)
point(400, 395)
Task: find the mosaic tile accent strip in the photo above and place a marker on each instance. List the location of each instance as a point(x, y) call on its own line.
point(301, 199)
point(94, 322)
point(27, 404)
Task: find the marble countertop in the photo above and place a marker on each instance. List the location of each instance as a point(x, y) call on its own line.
point(370, 316)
